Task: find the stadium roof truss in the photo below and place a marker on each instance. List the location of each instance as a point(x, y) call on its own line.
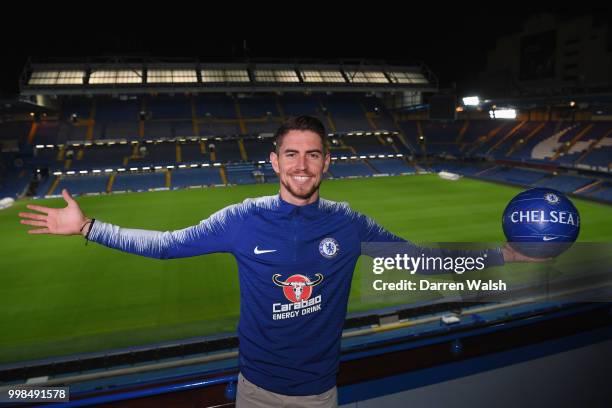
point(143, 77)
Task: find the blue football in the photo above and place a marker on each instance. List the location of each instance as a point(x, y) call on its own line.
point(541, 223)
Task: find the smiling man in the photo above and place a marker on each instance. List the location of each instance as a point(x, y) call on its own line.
point(296, 254)
point(302, 161)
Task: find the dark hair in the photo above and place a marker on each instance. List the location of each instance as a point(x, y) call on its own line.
point(301, 123)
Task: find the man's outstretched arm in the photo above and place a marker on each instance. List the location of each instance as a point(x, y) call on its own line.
point(214, 234)
point(370, 231)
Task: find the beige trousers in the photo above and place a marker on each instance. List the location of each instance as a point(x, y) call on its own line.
point(250, 395)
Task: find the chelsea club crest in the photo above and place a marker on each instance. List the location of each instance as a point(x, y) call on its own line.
point(329, 247)
point(551, 198)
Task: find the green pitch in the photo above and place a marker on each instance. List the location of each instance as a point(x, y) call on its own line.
point(58, 296)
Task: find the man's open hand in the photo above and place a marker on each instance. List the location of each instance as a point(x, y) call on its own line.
point(61, 221)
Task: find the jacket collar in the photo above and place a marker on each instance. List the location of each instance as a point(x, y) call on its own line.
point(288, 208)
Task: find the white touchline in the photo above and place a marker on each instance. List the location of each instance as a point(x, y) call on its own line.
point(263, 251)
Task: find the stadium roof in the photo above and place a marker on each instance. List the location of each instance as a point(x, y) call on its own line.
point(137, 77)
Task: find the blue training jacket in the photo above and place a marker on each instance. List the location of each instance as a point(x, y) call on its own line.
point(295, 268)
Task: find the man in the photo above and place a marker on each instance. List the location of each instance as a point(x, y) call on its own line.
point(296, 254)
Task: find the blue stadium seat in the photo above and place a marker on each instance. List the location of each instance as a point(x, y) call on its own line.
point(204, 176)
point(138, 181)
point(348, 169)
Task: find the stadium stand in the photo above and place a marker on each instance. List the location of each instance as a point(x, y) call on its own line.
point(194, 152)
point(258, 149)
point(367, 144)
point(138, 182)
point(78, 185)
point(350, 169)
point(206, 176)
point(163, 131)
point(379, 115)
point(13, 182)
point(580, 149)
point(240, 174)
point(565, 183)
point(391, 166)
point(269, 174)
point(165, 107)
point(225, 150)
point(603, 191)
point(346, 112)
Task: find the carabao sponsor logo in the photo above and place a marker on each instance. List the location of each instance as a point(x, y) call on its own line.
point(297, 287)
point(298, 290)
